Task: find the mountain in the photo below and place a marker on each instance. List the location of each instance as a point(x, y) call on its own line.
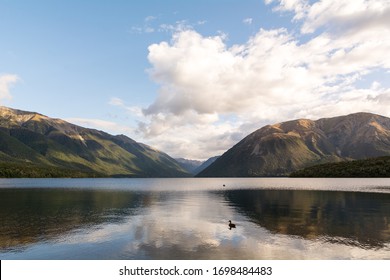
point(33, 143)
point(205, 164)
point(279, 149)
point(189, 165)
point(370, 168)
point(195, 166)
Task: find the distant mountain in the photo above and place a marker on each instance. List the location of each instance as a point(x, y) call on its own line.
point(189, 165)
point(371, 168)
point(37, 145)
point(205, 164)
point(279, 149)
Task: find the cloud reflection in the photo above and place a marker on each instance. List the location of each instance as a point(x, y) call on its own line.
point(193, 224)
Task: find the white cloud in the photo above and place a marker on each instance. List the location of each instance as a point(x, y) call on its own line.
point(188, 134)
point(110, 127)
point(354, 15)
point(299, 7)
point(337, 15)
point(150, 18)
point(149, 29)
point(133, 110)
point(115, 101)
point(248, 21)
point(151, 24)
point(146, 27)
point(211, 94)
point(6, 81)
point(178, 26)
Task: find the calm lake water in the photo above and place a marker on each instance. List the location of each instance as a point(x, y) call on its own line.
point(276, 218)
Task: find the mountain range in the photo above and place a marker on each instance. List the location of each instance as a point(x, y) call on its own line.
point(195, 166)
point(32, 141)
point(34, 145)
point(279, 149)
point(190, 165)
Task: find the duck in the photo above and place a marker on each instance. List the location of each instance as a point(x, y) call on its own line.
point(231, 225)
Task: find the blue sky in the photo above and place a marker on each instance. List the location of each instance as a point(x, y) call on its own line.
point(77, 52)
point(192, 78)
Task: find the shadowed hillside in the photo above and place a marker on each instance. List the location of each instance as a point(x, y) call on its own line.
point(373, 167)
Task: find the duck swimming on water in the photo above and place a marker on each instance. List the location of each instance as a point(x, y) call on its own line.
point(231, 225)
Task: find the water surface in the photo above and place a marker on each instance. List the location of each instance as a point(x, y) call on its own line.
point(276, 218)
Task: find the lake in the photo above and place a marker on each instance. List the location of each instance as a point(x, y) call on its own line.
point(276, 218)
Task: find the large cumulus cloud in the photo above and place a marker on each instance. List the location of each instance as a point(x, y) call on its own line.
point(211, 94)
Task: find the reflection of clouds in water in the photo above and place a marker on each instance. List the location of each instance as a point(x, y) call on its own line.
point(194, 226)
point(188, 219)
point(182, 228)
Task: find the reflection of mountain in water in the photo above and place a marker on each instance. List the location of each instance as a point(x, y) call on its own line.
point(140, 224)
point(28, 216)
point(352, 218)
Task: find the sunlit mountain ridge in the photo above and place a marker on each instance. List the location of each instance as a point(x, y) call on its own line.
point(279, 149)
point(34, 145)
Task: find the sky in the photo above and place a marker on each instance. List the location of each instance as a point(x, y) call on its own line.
point(192, 78)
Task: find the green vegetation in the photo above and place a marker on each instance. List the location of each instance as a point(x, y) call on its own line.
point(28, 170)
point(373, 167)
point(33, 145)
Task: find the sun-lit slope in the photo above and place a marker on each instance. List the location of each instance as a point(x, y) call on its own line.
point(40, 140)
point(277, 150)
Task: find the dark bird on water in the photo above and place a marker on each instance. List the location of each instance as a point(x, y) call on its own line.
point(231, 225)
